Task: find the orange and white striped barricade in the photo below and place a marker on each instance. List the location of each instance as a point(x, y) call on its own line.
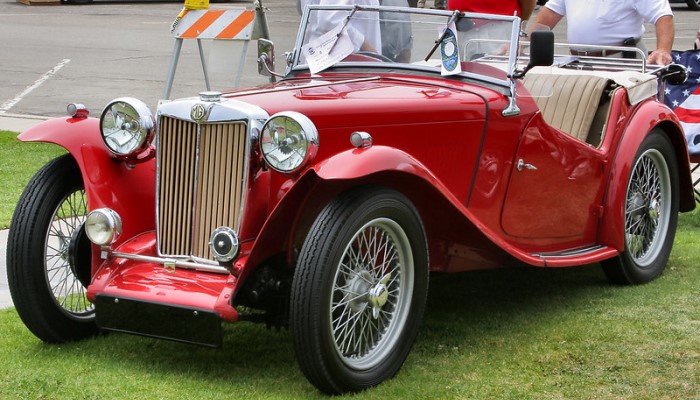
point(223, 24)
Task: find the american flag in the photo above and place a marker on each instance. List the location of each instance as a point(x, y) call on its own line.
point(684, 99)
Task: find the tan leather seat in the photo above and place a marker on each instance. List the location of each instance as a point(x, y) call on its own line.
point(567, 102)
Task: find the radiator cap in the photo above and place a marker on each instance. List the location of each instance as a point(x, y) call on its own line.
point(210, 96)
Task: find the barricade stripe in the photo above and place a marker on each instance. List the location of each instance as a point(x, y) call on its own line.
point(202, 24)
point(237, 25)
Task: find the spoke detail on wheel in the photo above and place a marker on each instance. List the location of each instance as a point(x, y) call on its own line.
point(66, 289)
point(369, 290)
point(646, 208)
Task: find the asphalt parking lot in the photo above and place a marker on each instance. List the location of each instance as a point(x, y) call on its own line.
point(91, 54)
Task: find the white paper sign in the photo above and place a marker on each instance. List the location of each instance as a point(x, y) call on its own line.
point(449, 51)
point(328, 49)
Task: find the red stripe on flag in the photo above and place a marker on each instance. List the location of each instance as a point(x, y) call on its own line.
point(688, 116)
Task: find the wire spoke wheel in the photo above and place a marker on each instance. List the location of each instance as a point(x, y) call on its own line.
point(67, 290)
point(648, 207)
point(369, 306)
point(650, 213)
point(49, 257)
point(359, 290)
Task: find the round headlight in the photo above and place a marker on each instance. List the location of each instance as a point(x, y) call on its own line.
point(127, 126)
point(103, 226)
point(288, 141)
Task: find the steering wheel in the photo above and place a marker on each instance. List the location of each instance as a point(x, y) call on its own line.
point(374, 55)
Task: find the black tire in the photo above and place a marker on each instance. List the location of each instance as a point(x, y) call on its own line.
point(48, 255)
point(693, 4)
point(369, 242)
point(651, 213)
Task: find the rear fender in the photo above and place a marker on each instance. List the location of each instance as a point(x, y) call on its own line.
point(648, 116)
point(127, 189)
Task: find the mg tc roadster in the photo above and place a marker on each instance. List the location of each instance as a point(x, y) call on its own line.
point(393, 143)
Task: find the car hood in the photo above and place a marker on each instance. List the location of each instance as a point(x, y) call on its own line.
point(370, 101)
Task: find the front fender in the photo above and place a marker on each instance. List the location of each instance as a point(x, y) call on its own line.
point(129, 190)
point(648, 116)
point(286, 228)
point(374, 159)
point(296, 208)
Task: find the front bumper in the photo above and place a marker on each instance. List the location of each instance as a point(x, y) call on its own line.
point(143, 297)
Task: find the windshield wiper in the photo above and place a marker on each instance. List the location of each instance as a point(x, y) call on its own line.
point(452, 19)
point(345, 24)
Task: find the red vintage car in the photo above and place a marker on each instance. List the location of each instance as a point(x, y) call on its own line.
point(397, 143)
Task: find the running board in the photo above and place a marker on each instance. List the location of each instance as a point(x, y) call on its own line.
point(578, 256)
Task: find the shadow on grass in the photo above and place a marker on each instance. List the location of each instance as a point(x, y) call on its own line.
point(510, 291)
point(468, 311)
point(463, 307)
point(472, 306)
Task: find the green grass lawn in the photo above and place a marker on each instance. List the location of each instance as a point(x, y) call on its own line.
point(18, 163)
point(503, 334)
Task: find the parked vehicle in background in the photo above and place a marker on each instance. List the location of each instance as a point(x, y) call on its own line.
point(323, 201)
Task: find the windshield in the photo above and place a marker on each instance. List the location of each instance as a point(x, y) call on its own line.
point(447, 42)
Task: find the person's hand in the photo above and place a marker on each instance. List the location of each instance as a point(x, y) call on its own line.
point(659, 57)
point(697, 41)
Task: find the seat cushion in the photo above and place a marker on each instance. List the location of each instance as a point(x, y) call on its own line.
point(567, 102)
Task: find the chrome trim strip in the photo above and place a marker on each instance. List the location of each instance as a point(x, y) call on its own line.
point(571, 253)
point(284, 87)
point(170, 262)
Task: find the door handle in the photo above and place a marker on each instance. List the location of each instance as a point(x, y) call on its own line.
point(521, 165)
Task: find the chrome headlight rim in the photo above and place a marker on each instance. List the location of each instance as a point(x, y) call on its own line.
point(272, 147)
point(137, 127)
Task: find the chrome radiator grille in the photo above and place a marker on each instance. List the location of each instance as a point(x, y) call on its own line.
point(201, 176)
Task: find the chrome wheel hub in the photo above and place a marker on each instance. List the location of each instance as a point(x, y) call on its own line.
point(371, 293)
point(378, 296)
point(648, 207)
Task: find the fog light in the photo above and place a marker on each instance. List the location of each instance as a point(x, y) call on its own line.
point(223, 243)
point(103, 226)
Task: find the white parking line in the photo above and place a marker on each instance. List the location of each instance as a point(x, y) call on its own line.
point(6, 106)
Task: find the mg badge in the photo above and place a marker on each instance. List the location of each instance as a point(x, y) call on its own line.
point(198, 112)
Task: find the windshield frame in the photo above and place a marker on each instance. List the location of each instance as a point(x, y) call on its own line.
point(510, 60)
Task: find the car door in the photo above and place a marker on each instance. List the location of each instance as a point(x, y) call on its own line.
point(554, 193)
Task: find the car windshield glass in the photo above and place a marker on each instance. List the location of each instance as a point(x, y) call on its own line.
point(443, 41)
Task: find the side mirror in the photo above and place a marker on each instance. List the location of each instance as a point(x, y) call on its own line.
point(541, 49)
point(266, 58)
point(541, 52)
